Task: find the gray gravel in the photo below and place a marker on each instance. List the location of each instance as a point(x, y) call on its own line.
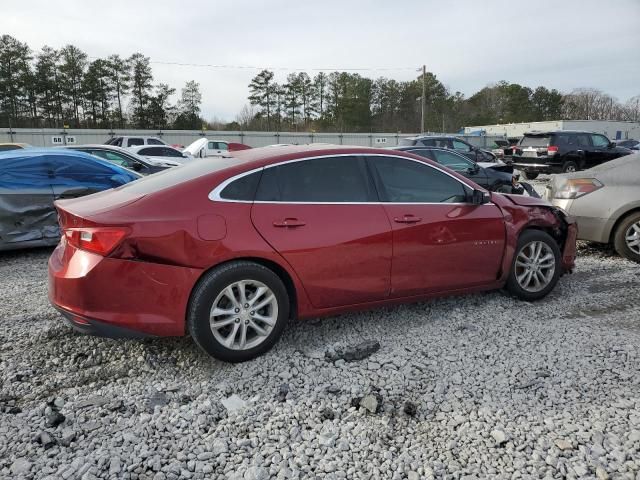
point(481, 386)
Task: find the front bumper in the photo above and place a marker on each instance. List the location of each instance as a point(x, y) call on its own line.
point(115, 297)
point(569, 250)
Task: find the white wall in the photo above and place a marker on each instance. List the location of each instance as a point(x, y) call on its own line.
point(609, 128)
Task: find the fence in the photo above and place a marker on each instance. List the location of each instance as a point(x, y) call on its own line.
point(47, 137)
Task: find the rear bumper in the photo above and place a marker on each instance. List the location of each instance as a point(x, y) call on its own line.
point(114, 297)
point(537, 167)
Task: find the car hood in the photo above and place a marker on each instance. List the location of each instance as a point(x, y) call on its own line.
point(497, 166)
point(195, 147)
point(526, 201)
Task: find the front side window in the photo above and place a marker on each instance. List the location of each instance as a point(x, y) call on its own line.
point(331, 179)
point(132, 142)
point(599, 141)
point(582, 140)
point(461, 146)
point(457, 163)
point(113, 157)
point(212, 146)
point(222, 146)
point(406, 181)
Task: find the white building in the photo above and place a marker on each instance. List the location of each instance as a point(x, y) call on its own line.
point(613, 129)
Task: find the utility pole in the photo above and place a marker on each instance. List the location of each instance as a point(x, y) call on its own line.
point(424, 92)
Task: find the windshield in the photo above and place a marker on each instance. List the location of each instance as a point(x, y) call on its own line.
point(535, 141)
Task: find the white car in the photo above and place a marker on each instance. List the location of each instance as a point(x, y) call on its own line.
point(203, 147)
point(164, 154)
point(127, 142)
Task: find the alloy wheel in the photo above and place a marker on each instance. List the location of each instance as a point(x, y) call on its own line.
point(243, 314)
point(535, 266)
point(632, 237)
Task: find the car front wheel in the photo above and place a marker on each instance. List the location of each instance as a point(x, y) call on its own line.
point(238, 311)
point(535, 269)
point(627, 238)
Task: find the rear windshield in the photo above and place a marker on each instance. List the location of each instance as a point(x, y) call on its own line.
point(173, 176)
point(407, 142)
point(535, 141)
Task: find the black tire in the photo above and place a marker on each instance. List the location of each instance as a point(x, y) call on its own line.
point(530, 175)
point(207, 290)
point(569, 166)
point(619, 237)
point(525, 239)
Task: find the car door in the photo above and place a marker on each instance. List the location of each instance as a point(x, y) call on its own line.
point(441, 242)
point(323, 217)
point(26, 201)
point(465, 149)
point(462, 165)
point(600, 151)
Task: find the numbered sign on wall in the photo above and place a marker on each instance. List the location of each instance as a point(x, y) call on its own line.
point(380, 140)
point(57, 140)
point(71, 140)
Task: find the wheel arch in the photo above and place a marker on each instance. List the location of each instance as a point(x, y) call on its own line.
point(279, 270)
point(621, 218)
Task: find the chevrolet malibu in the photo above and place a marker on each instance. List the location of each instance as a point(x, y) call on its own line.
point(229, 251)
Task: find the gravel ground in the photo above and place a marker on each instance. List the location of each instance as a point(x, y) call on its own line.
point(480, 386)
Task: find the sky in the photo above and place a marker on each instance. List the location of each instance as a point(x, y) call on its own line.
point(562, 44)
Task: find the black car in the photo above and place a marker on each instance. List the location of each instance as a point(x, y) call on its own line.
point(496, 177)
point(451, 143)
point(631, 144)
point(121, 157)
point(563, 151)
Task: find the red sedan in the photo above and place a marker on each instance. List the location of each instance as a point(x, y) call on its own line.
point(228, 251)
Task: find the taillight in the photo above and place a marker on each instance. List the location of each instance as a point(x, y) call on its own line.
point(100, 240)
point(577, 187)
point(552, 150)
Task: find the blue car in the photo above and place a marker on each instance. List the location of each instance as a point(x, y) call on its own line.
point(31, 180)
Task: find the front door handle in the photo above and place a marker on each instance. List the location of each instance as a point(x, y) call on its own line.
point(289, 222)
point(407, 219)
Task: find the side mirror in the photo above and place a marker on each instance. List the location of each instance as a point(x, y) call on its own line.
point(136, 167)
point(612, 145)
point(479, 197)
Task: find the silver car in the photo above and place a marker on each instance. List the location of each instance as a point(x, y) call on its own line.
point(605, 200)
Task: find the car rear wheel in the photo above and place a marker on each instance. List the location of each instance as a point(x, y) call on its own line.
point(536, 266)
point(238, 311)
point(627, 237)
point(569, 167)
point(530, 175)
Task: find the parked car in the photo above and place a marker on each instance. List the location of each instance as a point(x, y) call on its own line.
point(503, 149)
point(630, 144)
point(31, 180)
point(605, 200)
point(164, 154)
point(563, 151)
point(228, 251)
point(496, 177)
point(125, 158)
point(5, 147)
point(203, 147)
point(135, 141)
point(470, 151)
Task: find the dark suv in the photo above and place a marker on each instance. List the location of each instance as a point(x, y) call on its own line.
point(452, 143)
point(563, 151)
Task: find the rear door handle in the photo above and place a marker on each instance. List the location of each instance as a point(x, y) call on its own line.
point(407, 219)
point(289, 222)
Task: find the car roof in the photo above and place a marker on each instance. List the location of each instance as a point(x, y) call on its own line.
point(140, 147)
point(534, 133)
point(421, 137)
point(14, 144)
point(56, 152)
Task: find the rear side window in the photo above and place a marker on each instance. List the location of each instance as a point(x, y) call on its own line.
point(535, 141)
point(170, 152)
point(332, 179)
point(408, 181)
point(152, 151)
point(461, 146)
point(244, 188)
point(423, 152)
point(154, 141)
point(132, 142)
point(455, 162)
point(65, 166)
point(116, 141)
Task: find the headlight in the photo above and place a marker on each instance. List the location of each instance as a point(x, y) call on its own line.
point(577, 187)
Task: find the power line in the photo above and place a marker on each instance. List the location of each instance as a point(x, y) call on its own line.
point(256, 67)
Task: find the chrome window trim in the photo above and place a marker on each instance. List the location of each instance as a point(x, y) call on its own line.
point(214, 195)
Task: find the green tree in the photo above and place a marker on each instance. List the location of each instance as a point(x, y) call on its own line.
point(262, 94)
point(292, 98)
point(319, 95)
point(161, 112)
point(14, 76)
point(72, 67)
point(141, 86)
point(96, 91)
point(48, 87)
point(189, 107)
point(119, 71)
